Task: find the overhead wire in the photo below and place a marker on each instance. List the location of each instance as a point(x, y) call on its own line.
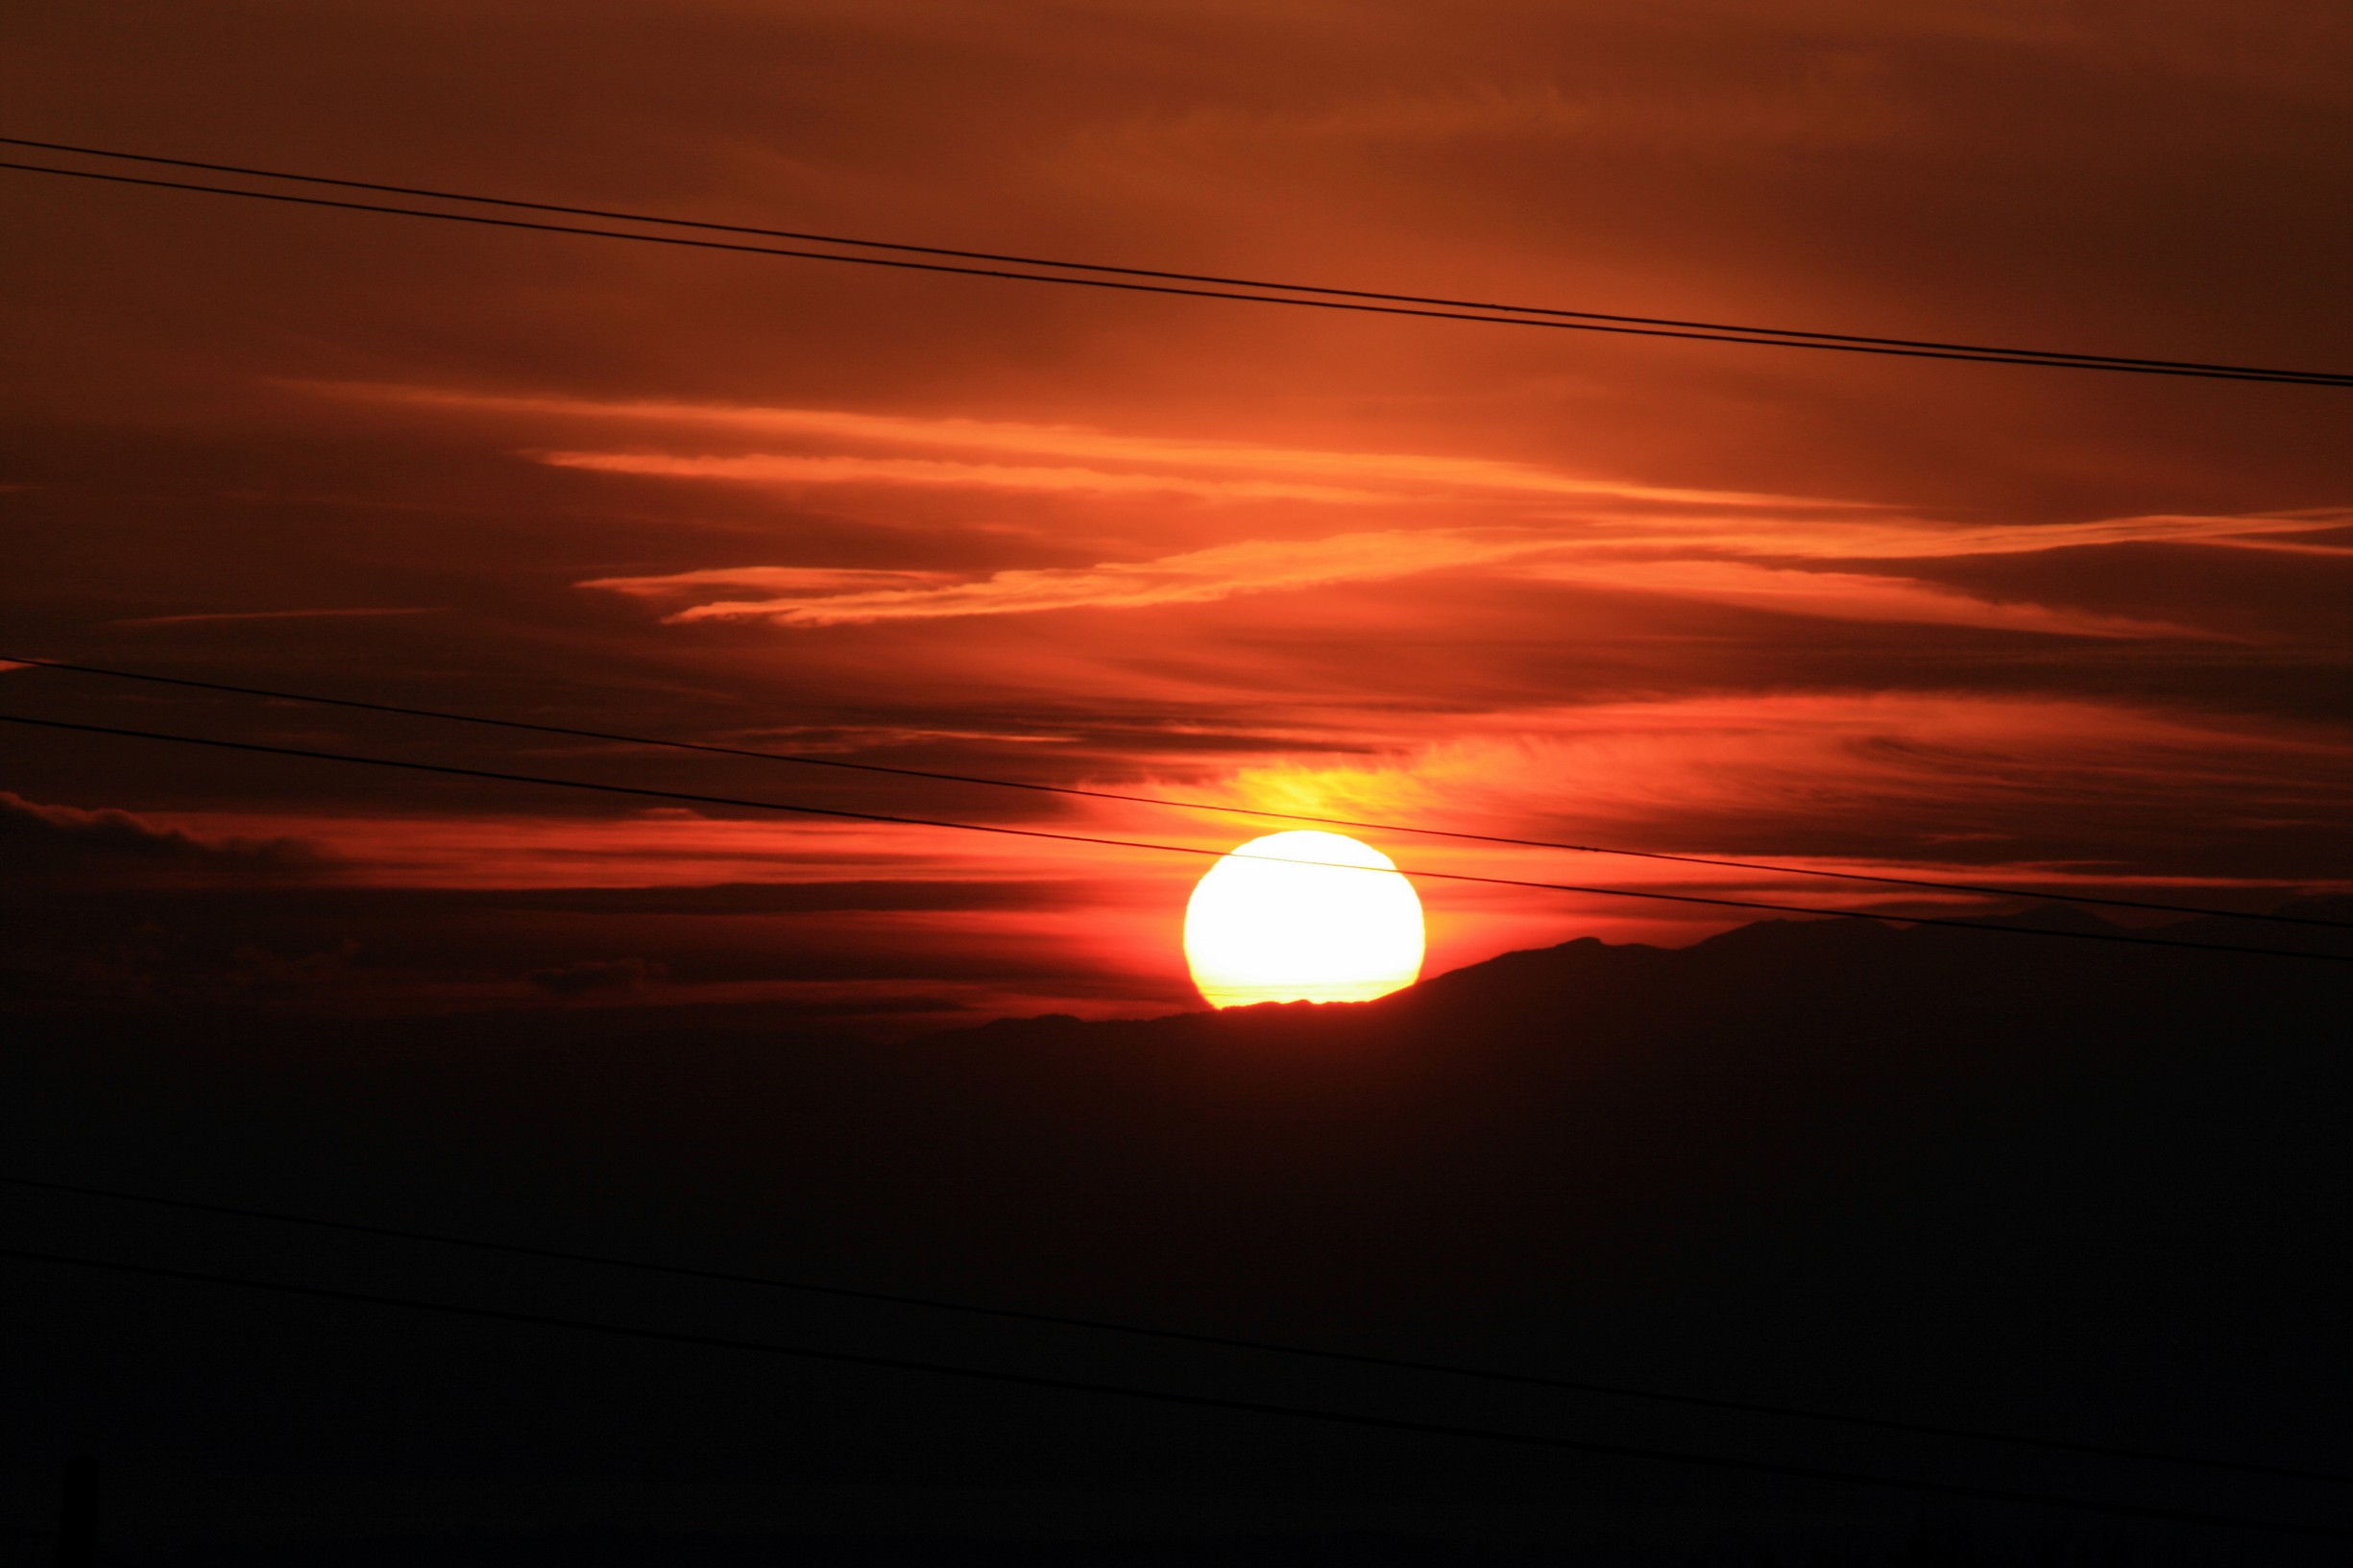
point(1081, 792)
point(687, 797)
point(1181, 1335)
point(1137, 271)
point(1317, 300)
point(1198, 1401)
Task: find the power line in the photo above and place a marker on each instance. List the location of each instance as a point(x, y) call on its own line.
point(1181, 1335)
point(1775, 332)
point(640, 791)
point(1979, 888)
point(1251, 1406)
point(1754, 337)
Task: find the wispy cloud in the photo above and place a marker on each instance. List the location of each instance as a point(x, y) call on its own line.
point(1422, 473)
point(1841, 595)
point(821, 599)
point(1196, 576)
point(779, 580)
point(770, 468)
point(1752, 523)
point(1915, 539)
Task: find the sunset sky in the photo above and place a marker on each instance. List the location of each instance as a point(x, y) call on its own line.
point(2045, 627)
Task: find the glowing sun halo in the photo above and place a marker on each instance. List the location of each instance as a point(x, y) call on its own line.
point(1269, 929)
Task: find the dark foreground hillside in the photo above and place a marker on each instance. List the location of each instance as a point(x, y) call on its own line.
point(1964, 1179)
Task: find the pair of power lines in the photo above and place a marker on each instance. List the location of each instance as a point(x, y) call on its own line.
point(895, 819)
point(1164, 1396)
point(653, 228)
point(798, 760)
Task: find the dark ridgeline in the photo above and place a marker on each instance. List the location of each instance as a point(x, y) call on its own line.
point(2046, 1187)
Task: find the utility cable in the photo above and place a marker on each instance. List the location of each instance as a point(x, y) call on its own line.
point(1751, 337)
point(1251, 1406)
point(1979, 888)
point(1779, 333)
point(1223, 1342)
point(643, 792)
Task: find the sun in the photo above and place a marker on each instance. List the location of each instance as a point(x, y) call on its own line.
point(1261, 927)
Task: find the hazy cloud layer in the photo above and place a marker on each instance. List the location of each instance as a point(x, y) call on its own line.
point(2088, 628)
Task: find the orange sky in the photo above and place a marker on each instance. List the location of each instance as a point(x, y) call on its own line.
point(2041, 626)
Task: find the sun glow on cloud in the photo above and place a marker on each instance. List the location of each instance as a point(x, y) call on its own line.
point(1627, 765)
point(1120, 523)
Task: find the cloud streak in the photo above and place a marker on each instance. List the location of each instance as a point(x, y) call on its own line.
point(1916, 540)
point(769, 468)
point(1413, 472)
point(1194, 577)
point(820, 598)
point(1841, 595)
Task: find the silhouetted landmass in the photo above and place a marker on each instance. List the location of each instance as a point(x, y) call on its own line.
point(2071, 1189)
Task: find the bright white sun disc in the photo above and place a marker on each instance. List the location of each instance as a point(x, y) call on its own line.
point(1261, 927)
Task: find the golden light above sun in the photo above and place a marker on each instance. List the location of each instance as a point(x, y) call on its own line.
point(1272, 930)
